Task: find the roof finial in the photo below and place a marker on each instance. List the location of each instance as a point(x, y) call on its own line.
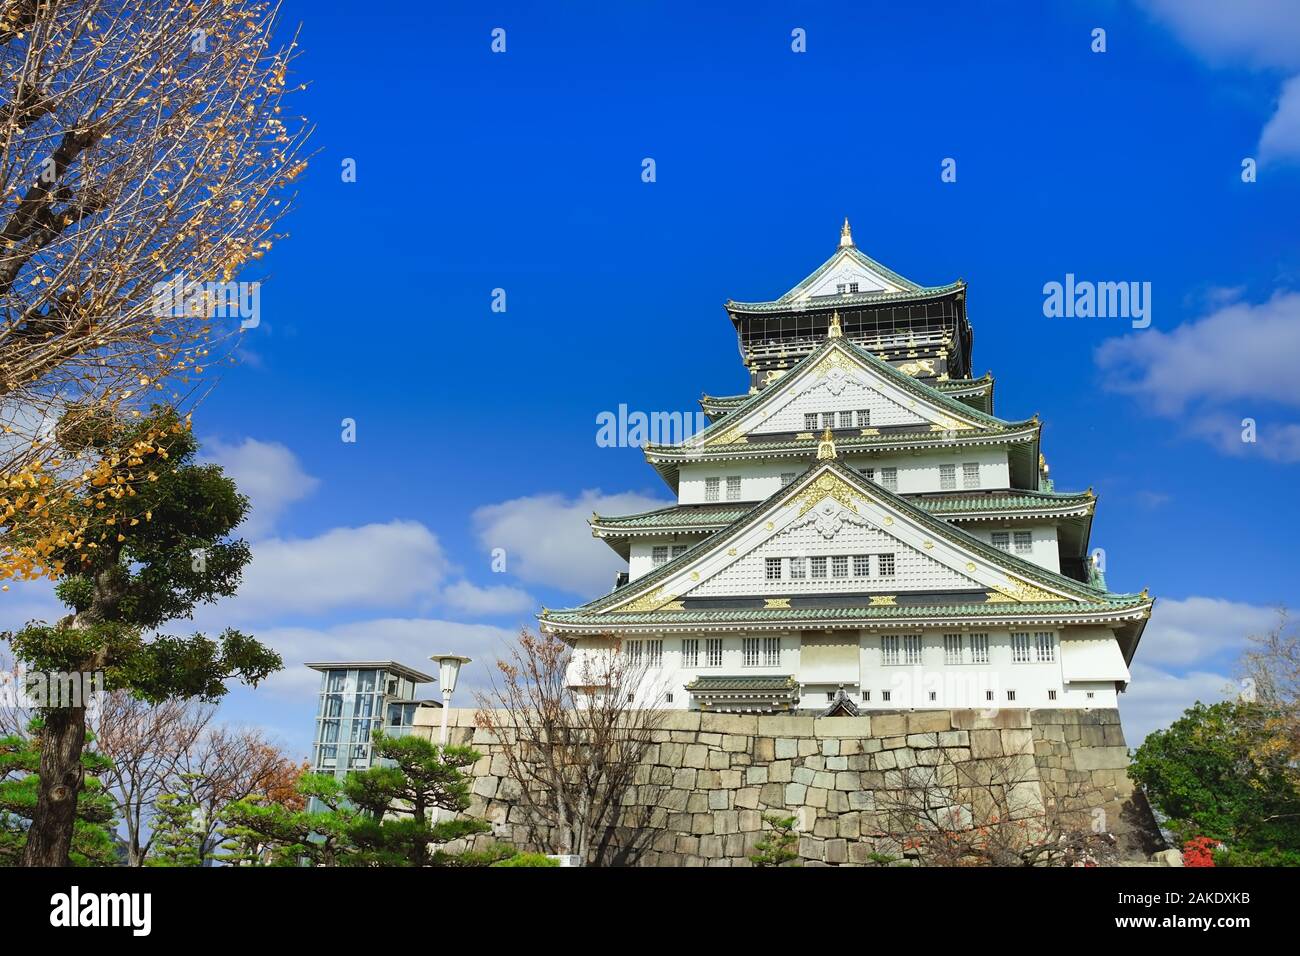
point(835, 331)
point(846, 234)
point(826, 447)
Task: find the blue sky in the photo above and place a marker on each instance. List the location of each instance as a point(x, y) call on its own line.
point(522, 171)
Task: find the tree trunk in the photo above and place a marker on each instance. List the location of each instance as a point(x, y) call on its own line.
point(50, 837)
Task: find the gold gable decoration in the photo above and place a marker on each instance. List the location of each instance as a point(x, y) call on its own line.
point(827, 486)
point(654, 600)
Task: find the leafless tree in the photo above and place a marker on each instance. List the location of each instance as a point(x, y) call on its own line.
point(1271, 677)
point(992, 812)
point(573, 731)
point(150, 746)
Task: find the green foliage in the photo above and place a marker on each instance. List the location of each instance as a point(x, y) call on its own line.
point(376, 817)
point(883, 859)
point(92, 838)
point(1200, 775)
point(528, 859)
point(1270, 856)
point(176, 840)
point(779, 848)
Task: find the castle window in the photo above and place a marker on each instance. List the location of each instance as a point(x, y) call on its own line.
point(866, 695)
point(970, 474)
point(889, 479)
point(952, 649)
point(818, 567)
point(1020, 648)
point(884, 695)
point(798, 569)
point(839, 288)
point(668, 697)
point(1011, 695)
point(733, 487)
point(862, 565)
point(634, 651)
point(679, 550)
point(659, 555)
point(853, 287)
point(771, 651)
point(712, 489)
point(885, 562)
point(889, 650)
point(787, 478)
point(840, 566)
point(750, 645)
point(713, 652)
point(691, 652)
point(772, 569)
point(828, 419)
point(869, 474)
point(846, 419)
point(988, 695)
point(654, 653)
point(912, 648)
point(979, 649)
point(810, 421)
point(1051, 695)
point(1090, 695)
point(1045, 646)
point(947, 477)
point(1002, 540)
point(864, 417)
point(1024, 542)
point(933, 695)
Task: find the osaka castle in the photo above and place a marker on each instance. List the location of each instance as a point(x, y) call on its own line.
point(860, 530)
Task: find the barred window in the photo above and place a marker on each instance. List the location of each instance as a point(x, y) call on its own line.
point(1045, 646)
point(679, 550)
point(853, 288)
point(712, 489)
point(840, 566)
point(884, 695)
point(988, 695)
point(810, 421)
point(970, 474)
point(634, 651)
point(1020, 648)
point(659, 554)
point(866, 695)
point(889, 479)
point(713, 652)
point(889, 650)
point(654, 652)
point(773, 569)
point(885, 563)
point(771, 651)
point(733, 487)
point(828, 419)
point(798, 569)
point(818, 567)
point(787, 478)
point(912, 648)
point(750, 645)
point(1051, 695)
point(1024, 542)
point(947, 477)
point(846, 419)
point(864, 417)
point(1011, 695)
point(862, 565)
point(952, 649)
point(979, 648)
point(690, 652)
point(1002, 540)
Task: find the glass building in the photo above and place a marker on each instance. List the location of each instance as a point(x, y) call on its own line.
point(356, 699)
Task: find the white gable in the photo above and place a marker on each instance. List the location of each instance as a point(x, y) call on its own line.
point(844, 270)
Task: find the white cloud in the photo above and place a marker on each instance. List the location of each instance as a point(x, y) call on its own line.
point(375, 565)
point(547, 540)
point(1259, 33)
point(493, 600)
point(1200, 629)
point(267, 472)
point(1280, 139)
point(1157, 698)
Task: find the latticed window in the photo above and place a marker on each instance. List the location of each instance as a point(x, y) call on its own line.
point(952, 649)
point(970, 474)
point(889, 479)
point(772, 570)
point(862, 565)
point(840, 565)
point(750, 645)
point(853, 288)
point(733, 487)
point(885, 563)
point(659, 554)
point(679, 550)
point(787, 478)
point(912, 648)
point(818, 567)
point(635, 651)
point(1045, 646)
point(1002, 540)
point(864, 417)
point(1020, 648)
point(810, 421)
point(771, 651)
point(712, 489)
point(947, 477)
point(828, 419)
point(690, 652)
point(846, 419)
point(1024, 542)
point(654, 653)
point(869, 474)
point(798, 569)
point(979, 648)
point(889, 650)
point(713, 652)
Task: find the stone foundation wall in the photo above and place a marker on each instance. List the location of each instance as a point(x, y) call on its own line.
point(708, 779)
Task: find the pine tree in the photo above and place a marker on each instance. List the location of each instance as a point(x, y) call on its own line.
point(176, 839)
point(777, 849)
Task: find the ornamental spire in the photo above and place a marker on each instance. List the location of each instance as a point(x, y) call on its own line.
point(835, 331)
point(846, 234)
point(826, 447)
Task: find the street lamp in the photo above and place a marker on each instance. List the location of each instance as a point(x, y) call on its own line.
point(448, 670)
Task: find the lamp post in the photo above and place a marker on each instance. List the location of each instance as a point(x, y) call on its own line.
point(448, 670)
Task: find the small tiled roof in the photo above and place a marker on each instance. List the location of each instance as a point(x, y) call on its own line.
point(742, 684)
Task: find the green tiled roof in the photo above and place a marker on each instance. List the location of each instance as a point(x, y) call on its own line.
point(751, 447)
point(943, 385)
point(744, 684)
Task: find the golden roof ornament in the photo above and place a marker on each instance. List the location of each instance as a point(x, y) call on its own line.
point(846, 234)
point(826, 447)
point(836, 330)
